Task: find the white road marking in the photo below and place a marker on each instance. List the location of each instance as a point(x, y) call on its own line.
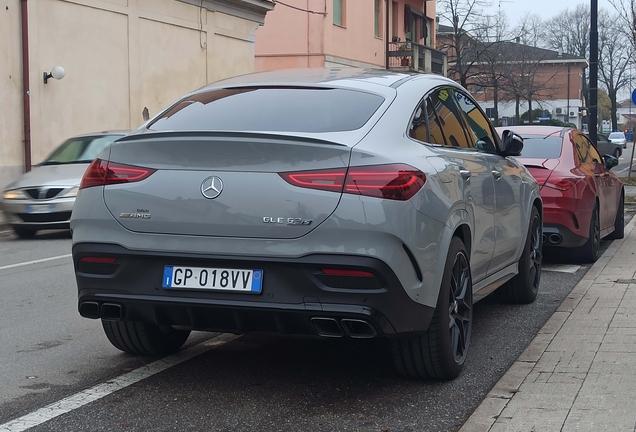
point(562, 268)
point(35, 261)
point(99, 391)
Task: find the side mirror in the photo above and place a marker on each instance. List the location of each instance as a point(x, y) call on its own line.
point(610, 161)
point(511, 144)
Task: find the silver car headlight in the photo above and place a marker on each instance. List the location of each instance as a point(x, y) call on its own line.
point(71, 193)
point(15, 194)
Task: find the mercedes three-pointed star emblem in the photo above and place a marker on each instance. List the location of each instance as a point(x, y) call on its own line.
point(212, 187)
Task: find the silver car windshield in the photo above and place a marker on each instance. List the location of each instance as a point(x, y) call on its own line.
point(80, 149)
point(616, 135)
point(271, 109)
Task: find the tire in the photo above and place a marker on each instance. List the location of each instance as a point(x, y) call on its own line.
point(591, 250)
point(619, 222)
point(523, 288)
point(617, 153)
point(144, 339)
point(24, 233)
point(440, 353)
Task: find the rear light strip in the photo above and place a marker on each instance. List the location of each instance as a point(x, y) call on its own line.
point(394, 181)
point(103, 173)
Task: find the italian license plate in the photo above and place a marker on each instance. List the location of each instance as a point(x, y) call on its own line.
point(236, 280)
point(40, 208)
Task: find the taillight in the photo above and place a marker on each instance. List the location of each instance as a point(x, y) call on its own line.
point(102, 173)
point(95, 174)
point(329, 179)
point(562, 184)
point(395, 181)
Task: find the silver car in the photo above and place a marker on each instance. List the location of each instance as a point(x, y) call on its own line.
point(43, 198)
point(618, 138)
point(330, 202)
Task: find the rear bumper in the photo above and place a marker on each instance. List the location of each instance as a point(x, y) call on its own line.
point(294, 294)
point(560, 236)
point(566, 218)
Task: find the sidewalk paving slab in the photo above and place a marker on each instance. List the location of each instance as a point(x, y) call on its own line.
point(579, 372)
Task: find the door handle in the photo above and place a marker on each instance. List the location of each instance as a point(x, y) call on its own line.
point(465, 174)
point(496, 174)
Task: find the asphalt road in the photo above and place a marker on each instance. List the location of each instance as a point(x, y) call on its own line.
point(255, 382)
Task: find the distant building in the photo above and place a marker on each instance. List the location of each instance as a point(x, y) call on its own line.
point(513, 71)
point(331, 33)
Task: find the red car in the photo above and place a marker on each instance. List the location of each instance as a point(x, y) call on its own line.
point(582, 199)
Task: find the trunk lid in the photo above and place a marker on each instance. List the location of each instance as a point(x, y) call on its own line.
point(254, 200)
point(541, 169)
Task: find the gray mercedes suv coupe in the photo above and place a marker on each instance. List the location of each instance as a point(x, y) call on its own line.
point(330, 202)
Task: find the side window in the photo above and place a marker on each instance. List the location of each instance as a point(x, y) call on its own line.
point(479, 128)
point(592, 155)
point(442, 104)
point(582, 147)
point(426, 126)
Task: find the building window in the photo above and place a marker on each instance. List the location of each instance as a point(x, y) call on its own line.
point(378, 18)
point(339, 7)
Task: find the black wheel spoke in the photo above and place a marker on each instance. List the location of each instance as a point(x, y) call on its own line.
point(460, 307)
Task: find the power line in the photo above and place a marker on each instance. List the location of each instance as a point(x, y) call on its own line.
point(299, 9)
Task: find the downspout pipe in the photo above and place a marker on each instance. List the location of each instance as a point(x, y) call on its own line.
point(386, 33)
point(25, 86)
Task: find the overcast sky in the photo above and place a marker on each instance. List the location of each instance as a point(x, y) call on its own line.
point(516, 9)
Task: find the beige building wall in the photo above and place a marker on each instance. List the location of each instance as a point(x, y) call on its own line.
point(120, 57)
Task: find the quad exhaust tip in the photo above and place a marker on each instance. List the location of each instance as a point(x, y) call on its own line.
point(106, 311)
point(354, 328)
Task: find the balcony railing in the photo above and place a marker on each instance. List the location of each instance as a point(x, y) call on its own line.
point(416, 57)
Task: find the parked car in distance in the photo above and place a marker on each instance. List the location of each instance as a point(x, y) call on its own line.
point(43, 198)
point(332, 202)
point(582, 199)
point(605, 146)
point(618, 138)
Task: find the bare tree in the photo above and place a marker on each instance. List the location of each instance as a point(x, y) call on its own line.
point(463, 16)
point(525, 78)
point(490, 70)
point(614, 59)
point(530, 30)
point(569, 32)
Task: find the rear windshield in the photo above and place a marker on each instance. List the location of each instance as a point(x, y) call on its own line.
point(541, 147)
point(271, 109)
point(80, 150)
point(617, 135)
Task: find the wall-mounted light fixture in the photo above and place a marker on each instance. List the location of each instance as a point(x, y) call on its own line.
point(57, 72)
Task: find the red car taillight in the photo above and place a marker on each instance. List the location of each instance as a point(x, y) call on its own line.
point(563, 183)
point(102, 173)
point(396, 181)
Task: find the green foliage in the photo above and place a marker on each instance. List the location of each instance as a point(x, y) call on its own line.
point(536, 113)
point(555, 122)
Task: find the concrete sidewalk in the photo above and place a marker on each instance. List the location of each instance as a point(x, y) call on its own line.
point(579, 373)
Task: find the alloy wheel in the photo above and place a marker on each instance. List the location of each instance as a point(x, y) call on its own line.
point(460, 307)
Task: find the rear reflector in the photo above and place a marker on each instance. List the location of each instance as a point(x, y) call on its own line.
point(339, 272)
point(396, 181)
point(106, 260)
point(102, 173)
